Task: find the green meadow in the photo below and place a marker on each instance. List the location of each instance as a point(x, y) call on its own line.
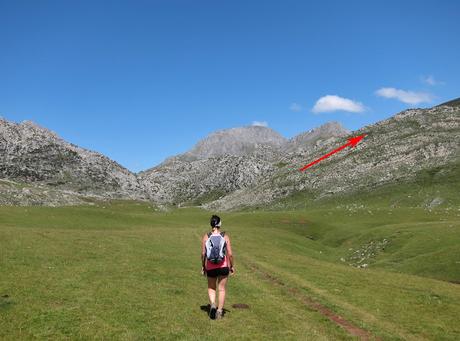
point(126, 271)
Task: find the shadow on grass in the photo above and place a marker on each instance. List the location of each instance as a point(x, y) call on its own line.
point(207, 308)
point(5, 302)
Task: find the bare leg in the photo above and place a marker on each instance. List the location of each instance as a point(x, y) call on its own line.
point(222, 284)
point(212, 289)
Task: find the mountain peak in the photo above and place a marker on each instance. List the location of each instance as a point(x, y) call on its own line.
point(234, 141)
point(333, 126)
point(307, 139)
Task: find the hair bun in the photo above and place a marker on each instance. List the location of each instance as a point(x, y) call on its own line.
point(215, 221)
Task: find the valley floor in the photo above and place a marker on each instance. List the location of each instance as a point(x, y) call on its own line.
point(126, 271)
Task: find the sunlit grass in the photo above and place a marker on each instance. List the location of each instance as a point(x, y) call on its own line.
point(126, 271)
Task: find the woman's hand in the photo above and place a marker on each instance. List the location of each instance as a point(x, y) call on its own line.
point(232, 271)
point(203, 271)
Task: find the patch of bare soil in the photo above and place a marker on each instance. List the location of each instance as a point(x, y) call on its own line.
point(240, 306)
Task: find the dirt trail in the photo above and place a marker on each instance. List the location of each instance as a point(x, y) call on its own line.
point(352, 329)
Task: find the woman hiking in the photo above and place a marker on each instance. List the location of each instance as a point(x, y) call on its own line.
point(217, 263)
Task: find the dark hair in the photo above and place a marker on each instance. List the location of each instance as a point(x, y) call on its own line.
point(215, 220)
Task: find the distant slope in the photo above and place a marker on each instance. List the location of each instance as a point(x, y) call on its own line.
point(242, 167)
point(227, 161)
point(197, 182)
point(453, 103)
point(33, 155)
point(394, 152)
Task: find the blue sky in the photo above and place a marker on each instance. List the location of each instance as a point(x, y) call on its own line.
point(142, 80)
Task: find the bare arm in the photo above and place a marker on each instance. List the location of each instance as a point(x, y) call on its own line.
point(229, 253)
point(203, 253)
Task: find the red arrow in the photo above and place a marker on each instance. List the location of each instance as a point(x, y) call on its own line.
point(352, 141)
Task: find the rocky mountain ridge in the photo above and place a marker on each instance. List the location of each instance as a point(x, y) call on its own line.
point(233, 168)
point(33, 155)
point(237, 163)
point(393, 151)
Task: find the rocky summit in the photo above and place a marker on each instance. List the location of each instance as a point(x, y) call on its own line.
point(240, 141)
point(233, 168)
point(310, 139)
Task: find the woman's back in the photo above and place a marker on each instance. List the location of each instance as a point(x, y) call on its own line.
point(217, 264)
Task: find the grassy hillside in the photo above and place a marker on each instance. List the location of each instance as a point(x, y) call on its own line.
point(429, 188)
point(126, 271)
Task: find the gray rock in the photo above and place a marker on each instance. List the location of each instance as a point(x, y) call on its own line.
point(34, 155)
point(236, 142)
point(435, 202)
point(228, 161)
point(233, 168)
point(393, 151)
point(315, 137)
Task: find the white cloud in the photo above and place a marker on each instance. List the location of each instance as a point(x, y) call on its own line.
point(331, 103)
point(260, 123)
point(295, 107)
point(430, 80)
point(408, 97)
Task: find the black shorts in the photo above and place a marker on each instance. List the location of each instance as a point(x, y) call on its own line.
point(218, 272)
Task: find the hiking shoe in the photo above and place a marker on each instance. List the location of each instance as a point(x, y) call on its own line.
point(219, 314)
point(212, 312)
